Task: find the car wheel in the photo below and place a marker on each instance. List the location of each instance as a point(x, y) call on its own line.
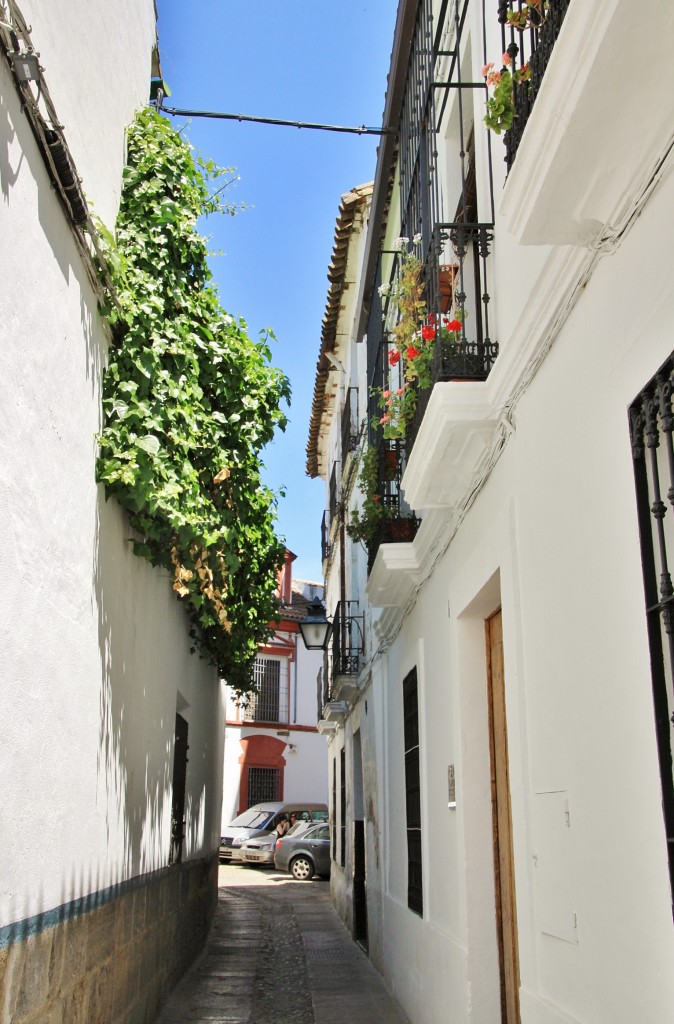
point(301, 868)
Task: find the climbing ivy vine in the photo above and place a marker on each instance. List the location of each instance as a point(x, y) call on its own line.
point(189, 401)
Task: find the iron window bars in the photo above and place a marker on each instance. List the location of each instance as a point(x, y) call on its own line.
point(651, 418)
point(532, 45)
point(269, 702)
point(415, 892)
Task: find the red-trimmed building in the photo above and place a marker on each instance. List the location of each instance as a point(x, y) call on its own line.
point(272, 748)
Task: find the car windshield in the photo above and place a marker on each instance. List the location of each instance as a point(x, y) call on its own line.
point(252, 819)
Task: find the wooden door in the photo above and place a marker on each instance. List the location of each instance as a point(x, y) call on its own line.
point(504, 879)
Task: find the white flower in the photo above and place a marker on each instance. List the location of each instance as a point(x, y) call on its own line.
point(417, 238)
point(401, 243)
point(384, 289)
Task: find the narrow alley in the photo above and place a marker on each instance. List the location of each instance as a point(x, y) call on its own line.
point(278, 954)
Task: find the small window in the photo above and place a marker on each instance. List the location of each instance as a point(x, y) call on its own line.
point(342, 808)
point(263, 785)
point(413, 793)
point(269, 702)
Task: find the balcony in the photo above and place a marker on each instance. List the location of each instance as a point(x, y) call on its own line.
point(456, 278)
point(347, 651)
point(579, 174)
point(398, 524)
point(528, 35)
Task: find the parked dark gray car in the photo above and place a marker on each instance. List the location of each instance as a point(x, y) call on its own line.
point(305, 855)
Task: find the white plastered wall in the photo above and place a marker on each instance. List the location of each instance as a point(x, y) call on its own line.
point(93, 645)
point(554, 533)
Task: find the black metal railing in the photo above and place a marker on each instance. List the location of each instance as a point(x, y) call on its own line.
point(333, 493)
point(350, 422)
point(347, 640)
point(398, 522)
point(457, 289)
point(326, 547)
point(529, 32)
point(652, 433)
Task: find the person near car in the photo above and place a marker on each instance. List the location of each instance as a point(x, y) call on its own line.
point(282, 825)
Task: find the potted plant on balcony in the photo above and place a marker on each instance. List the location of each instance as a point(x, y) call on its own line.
point(501, 104)
point(365, 522)
point(413, 343)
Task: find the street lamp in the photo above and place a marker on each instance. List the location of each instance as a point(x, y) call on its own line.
point(315, 628)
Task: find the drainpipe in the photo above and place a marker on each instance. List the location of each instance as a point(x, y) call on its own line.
point(295, 683)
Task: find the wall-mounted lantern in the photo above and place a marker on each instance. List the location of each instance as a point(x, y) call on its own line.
point(315, 628)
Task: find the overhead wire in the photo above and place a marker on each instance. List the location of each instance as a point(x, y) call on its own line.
point(358, 130)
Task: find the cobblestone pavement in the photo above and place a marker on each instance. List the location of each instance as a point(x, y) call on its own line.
point(278, 954)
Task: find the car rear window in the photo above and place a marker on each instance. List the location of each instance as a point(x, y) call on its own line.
point(320, 832)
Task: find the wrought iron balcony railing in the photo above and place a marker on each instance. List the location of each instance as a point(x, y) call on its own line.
point(326, 547)
point(347, 640)
point(529, 32)
point(398, 523)
point(333, 492)
point(350, 422)
point(457, 285)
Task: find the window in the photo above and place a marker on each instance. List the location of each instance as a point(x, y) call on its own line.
point(334, 808)
point(180, 748)
point(651, 427)
point(342, 808)
point(263, 784)
point(269, 703)
point(412, 793)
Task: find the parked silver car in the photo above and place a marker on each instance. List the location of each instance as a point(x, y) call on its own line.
point(260, 819)
point(260, 849)
point(305, 854)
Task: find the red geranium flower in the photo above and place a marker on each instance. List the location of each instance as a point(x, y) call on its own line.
point(427, 332)
point(375, 497)
point(393, 358)
point(412, 352)
point(454, 325)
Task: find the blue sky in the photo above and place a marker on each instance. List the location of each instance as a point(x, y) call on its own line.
point(306, 60)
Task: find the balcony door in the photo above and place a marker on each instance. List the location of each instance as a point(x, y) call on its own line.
point(504, 876)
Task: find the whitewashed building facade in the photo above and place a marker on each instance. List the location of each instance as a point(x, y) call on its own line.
point(273, 750)
point(102, 706)
point(498, 699)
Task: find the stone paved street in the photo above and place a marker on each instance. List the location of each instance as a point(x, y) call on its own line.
point(278, 954)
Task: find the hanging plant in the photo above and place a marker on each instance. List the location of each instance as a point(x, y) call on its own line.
point(501, 104)
point(189, 400)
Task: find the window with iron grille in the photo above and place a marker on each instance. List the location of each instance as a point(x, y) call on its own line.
point(180, 749)
point(264, 784)
point(342, 808)
point(412, 793)
point(651, 426)
point(269, 702)
point(334, 808)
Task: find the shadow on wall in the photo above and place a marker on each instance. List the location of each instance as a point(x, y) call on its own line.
point(139, 649)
